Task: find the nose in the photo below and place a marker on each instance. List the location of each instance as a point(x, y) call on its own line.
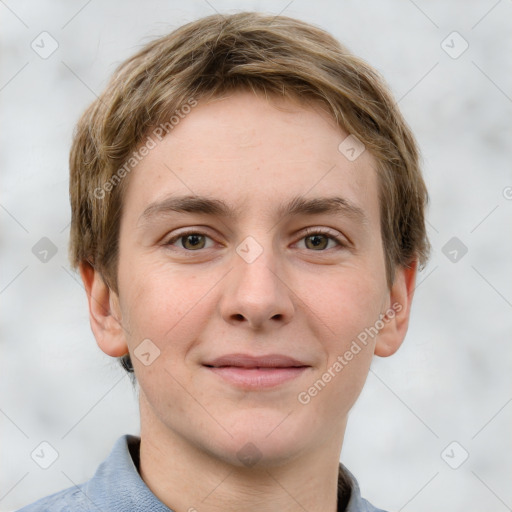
point(256, 292)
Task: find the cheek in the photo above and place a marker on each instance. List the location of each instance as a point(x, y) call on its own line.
point(343, 304)
point(342, 309)
point(164, 306)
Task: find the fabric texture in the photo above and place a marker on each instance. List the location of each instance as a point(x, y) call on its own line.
point(117, 487)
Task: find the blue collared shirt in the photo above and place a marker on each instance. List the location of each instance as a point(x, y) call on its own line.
point(117, 487)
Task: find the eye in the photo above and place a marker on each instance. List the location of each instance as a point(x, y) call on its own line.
point(191, 241)
point(315, 239)
point(318, 240)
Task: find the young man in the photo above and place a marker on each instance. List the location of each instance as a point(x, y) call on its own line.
point(248, 221)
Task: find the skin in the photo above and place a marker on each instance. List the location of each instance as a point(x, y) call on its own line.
point(295, 299)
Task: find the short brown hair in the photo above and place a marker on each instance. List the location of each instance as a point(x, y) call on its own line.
point(274, 55)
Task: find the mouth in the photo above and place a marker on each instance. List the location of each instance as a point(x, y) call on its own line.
point(251, 373)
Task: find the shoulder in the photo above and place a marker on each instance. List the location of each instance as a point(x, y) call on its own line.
point(349, 494)
point(112, 483)
point(67, 500)
point(368, 507)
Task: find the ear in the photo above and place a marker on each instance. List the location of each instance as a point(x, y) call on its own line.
point(104, 312)
point(399, 309)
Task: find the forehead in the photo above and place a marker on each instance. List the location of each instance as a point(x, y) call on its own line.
point(253, 154)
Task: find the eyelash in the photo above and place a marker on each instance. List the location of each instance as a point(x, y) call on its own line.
point(309, 232)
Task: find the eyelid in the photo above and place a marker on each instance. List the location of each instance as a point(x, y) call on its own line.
point(341, 240)
point(200, 231)
point(333, 235)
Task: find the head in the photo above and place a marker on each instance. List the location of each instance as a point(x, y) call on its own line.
point(247, 185)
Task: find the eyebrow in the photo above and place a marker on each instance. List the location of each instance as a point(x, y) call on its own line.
point(216, 207)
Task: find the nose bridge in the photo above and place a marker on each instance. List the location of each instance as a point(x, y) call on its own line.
point(257, 293)
point(256, 268)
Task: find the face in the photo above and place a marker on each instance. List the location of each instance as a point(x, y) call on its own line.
point(250, 261)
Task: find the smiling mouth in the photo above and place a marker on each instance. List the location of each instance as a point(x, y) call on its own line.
point(240, 360)
point(256, 367)
point(255, 372)
point(256, 377)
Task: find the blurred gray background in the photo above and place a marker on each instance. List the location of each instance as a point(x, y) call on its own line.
point(432, 429)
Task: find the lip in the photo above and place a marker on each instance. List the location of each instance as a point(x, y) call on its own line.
point(248, 361)
point(256, 372)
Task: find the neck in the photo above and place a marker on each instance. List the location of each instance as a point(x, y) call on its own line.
point(188, 479)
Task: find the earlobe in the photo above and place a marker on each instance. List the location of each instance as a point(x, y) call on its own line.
point(395, 328)
point(104, 312)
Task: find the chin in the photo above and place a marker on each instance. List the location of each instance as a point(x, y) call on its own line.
point(259, 455)
point(260, 441)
